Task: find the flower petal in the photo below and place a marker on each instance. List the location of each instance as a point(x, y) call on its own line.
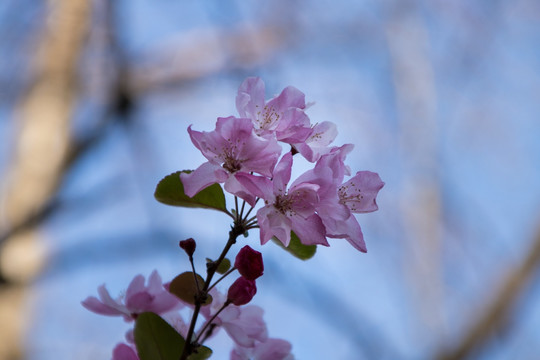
point(310, 230)
point(202, 177)
point(360, 192)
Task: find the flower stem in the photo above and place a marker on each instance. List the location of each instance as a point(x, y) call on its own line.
point(222, 277)
point(237, 230)
point(227, 303)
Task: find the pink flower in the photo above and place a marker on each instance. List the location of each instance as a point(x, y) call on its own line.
point(241, 291)
point(231, 148)
point(316, 144)
point(249, 263)
point(286, 211)
point(138, 299)
point(282, 116)
point(270, 349)
point(338, 201)
point(124, 352)
point(360, 192)
point(244, 324)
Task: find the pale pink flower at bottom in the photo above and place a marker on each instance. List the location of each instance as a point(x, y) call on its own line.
point(270, 349)
point(244, 324)
point(138, 299)
point(124, 352)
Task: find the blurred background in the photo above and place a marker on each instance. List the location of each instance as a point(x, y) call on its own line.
point(440, 97)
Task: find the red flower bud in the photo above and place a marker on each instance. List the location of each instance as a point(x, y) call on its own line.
point(189, 246)
point(242, 291)
point(249, 263)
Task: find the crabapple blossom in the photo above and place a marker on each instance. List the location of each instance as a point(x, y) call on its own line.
point(338, 201)
point(270, 349)
point(138, 299)
point(316, 144)
point(360, 192)
point(243, 154)
point(282, 116)
point(244, 324)
point(124, 352)
point(287, 210)
point(233, 147)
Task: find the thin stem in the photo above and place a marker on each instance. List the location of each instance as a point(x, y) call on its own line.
point(222, 277)
point(242, 210)
point(236, 231)
point(194, 273)
point(254, 217)
point(236, 206)
point(253, 207)
point(227, 303)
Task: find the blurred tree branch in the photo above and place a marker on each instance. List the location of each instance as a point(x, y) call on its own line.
point(42, 144)
point(497, 311)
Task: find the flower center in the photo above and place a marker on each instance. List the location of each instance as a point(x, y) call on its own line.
point(350, 196)
point(231, 164)
point(284, 204)
point(267, 117)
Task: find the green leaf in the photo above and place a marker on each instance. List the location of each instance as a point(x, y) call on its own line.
point(200, 353)
point(157, 340)
point(224, 266)
point(170, 191)
point(185, 288)
point(296, 248)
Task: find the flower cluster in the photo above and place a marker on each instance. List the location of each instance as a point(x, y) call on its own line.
point(244, 154)
point(244, 324)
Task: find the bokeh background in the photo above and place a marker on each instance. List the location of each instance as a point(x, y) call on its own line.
point(440, 97)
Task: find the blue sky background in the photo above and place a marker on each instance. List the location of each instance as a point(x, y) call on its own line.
point(439, 97)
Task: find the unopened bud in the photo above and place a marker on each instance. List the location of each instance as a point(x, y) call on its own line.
point(189, 246)
point(242, 291)
point(249, 263)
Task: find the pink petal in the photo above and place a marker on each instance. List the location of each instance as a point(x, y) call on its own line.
point(290, 97)
point(273, 349)
point(350, 230)
point(250, 98)
point(93, 304)
point(106, 298)
point(294, 127)
point(257, 186)
point(164, 302)
point(317, 143)
point(155, 285)
point(258, 154)
point(135, 286)
point(204, 176)
point(282, 174)
point(310, 231)
point(360, 192)
point(139, 302)
point(232, 128)
point(124, 352)
point(273, 223)
point(237, 188)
